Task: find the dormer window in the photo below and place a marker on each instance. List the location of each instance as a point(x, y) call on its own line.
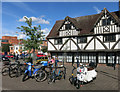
point(67, 26)
point(106, 22)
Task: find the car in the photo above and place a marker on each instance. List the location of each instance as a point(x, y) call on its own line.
point(4, 58)
point(39, 59)
point(41, 55)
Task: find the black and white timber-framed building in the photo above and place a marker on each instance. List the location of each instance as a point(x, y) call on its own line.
point(91, 38)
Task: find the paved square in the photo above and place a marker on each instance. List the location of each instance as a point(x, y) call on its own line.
point(107, 79)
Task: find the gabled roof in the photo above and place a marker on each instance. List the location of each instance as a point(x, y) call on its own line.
point(84, 23)
point(115, 16)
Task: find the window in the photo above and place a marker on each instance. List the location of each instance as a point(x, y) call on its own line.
point(82, 39)
point(102, 58)
point(16, 48)
point(84, 58)
point(58, 41)
point(4, 40)
point(106, 22)
point(92, 57)
point(109, 38)
point(11, 48)
point(67, 26)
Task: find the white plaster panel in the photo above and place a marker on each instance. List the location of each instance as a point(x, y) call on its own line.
point(50, 46)
point(91, 45)
point(73, 46)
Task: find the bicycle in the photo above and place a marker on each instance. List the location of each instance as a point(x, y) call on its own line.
point(54, 75)
point(5, 69)
point(13, 69)
point(16, 70)
point(38, 72)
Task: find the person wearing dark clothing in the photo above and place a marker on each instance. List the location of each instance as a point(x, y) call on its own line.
point(114, 62)
point(23, 56)
point(14, 55)
point(92, 64)
point(16, 58)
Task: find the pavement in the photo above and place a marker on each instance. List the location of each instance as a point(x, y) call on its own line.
point(107, 79)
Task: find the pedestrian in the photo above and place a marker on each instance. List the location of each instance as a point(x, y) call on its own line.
point(114, 65)
point(52, 61)
point(16, 57)
point(24, 56)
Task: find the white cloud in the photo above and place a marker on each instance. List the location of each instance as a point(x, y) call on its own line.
point(46, 30)
point(39, 20)
point(97, 10)
point(21, 36)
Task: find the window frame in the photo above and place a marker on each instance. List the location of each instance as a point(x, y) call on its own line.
point(109, 38)
point(4, 40)
point(106, 22)
point(58, 41)
point(79, 39)
point(67, 26)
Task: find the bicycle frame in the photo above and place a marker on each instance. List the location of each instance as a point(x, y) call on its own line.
point(29, 69)
point(57, 73)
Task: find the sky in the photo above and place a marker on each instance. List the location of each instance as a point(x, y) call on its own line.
point(46, 14)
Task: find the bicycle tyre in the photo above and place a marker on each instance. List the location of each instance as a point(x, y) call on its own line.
point(13, 72)
point(71, 80)
point(24, 76)
point(51, 78)
point(61, 75)
point(5, 71)
point(40, 76)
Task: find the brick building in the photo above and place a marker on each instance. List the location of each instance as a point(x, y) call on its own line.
point(9, 40)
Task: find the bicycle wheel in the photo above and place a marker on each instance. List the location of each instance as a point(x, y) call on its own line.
point(77, 84)
point(40, 76)
point(51, 78)
point(19, 72)
point(24, 76)
point(13, 72)
point(61, 75)
point(5, 70)
point(71, 80)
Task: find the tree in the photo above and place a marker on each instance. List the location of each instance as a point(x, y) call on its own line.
point(34, 36)
point(5, 47)
point(44, 49)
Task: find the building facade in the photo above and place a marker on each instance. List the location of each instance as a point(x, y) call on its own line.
point(9, 40)
point(17, 49)
point(90, 38)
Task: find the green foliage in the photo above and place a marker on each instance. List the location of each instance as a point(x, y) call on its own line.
point(34, 35)
point(44, 49)
point(5, 47)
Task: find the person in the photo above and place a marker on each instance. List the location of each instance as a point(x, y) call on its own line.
point(114, 63)
point(16, 57)
point(24, 56)
point(52, 60)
